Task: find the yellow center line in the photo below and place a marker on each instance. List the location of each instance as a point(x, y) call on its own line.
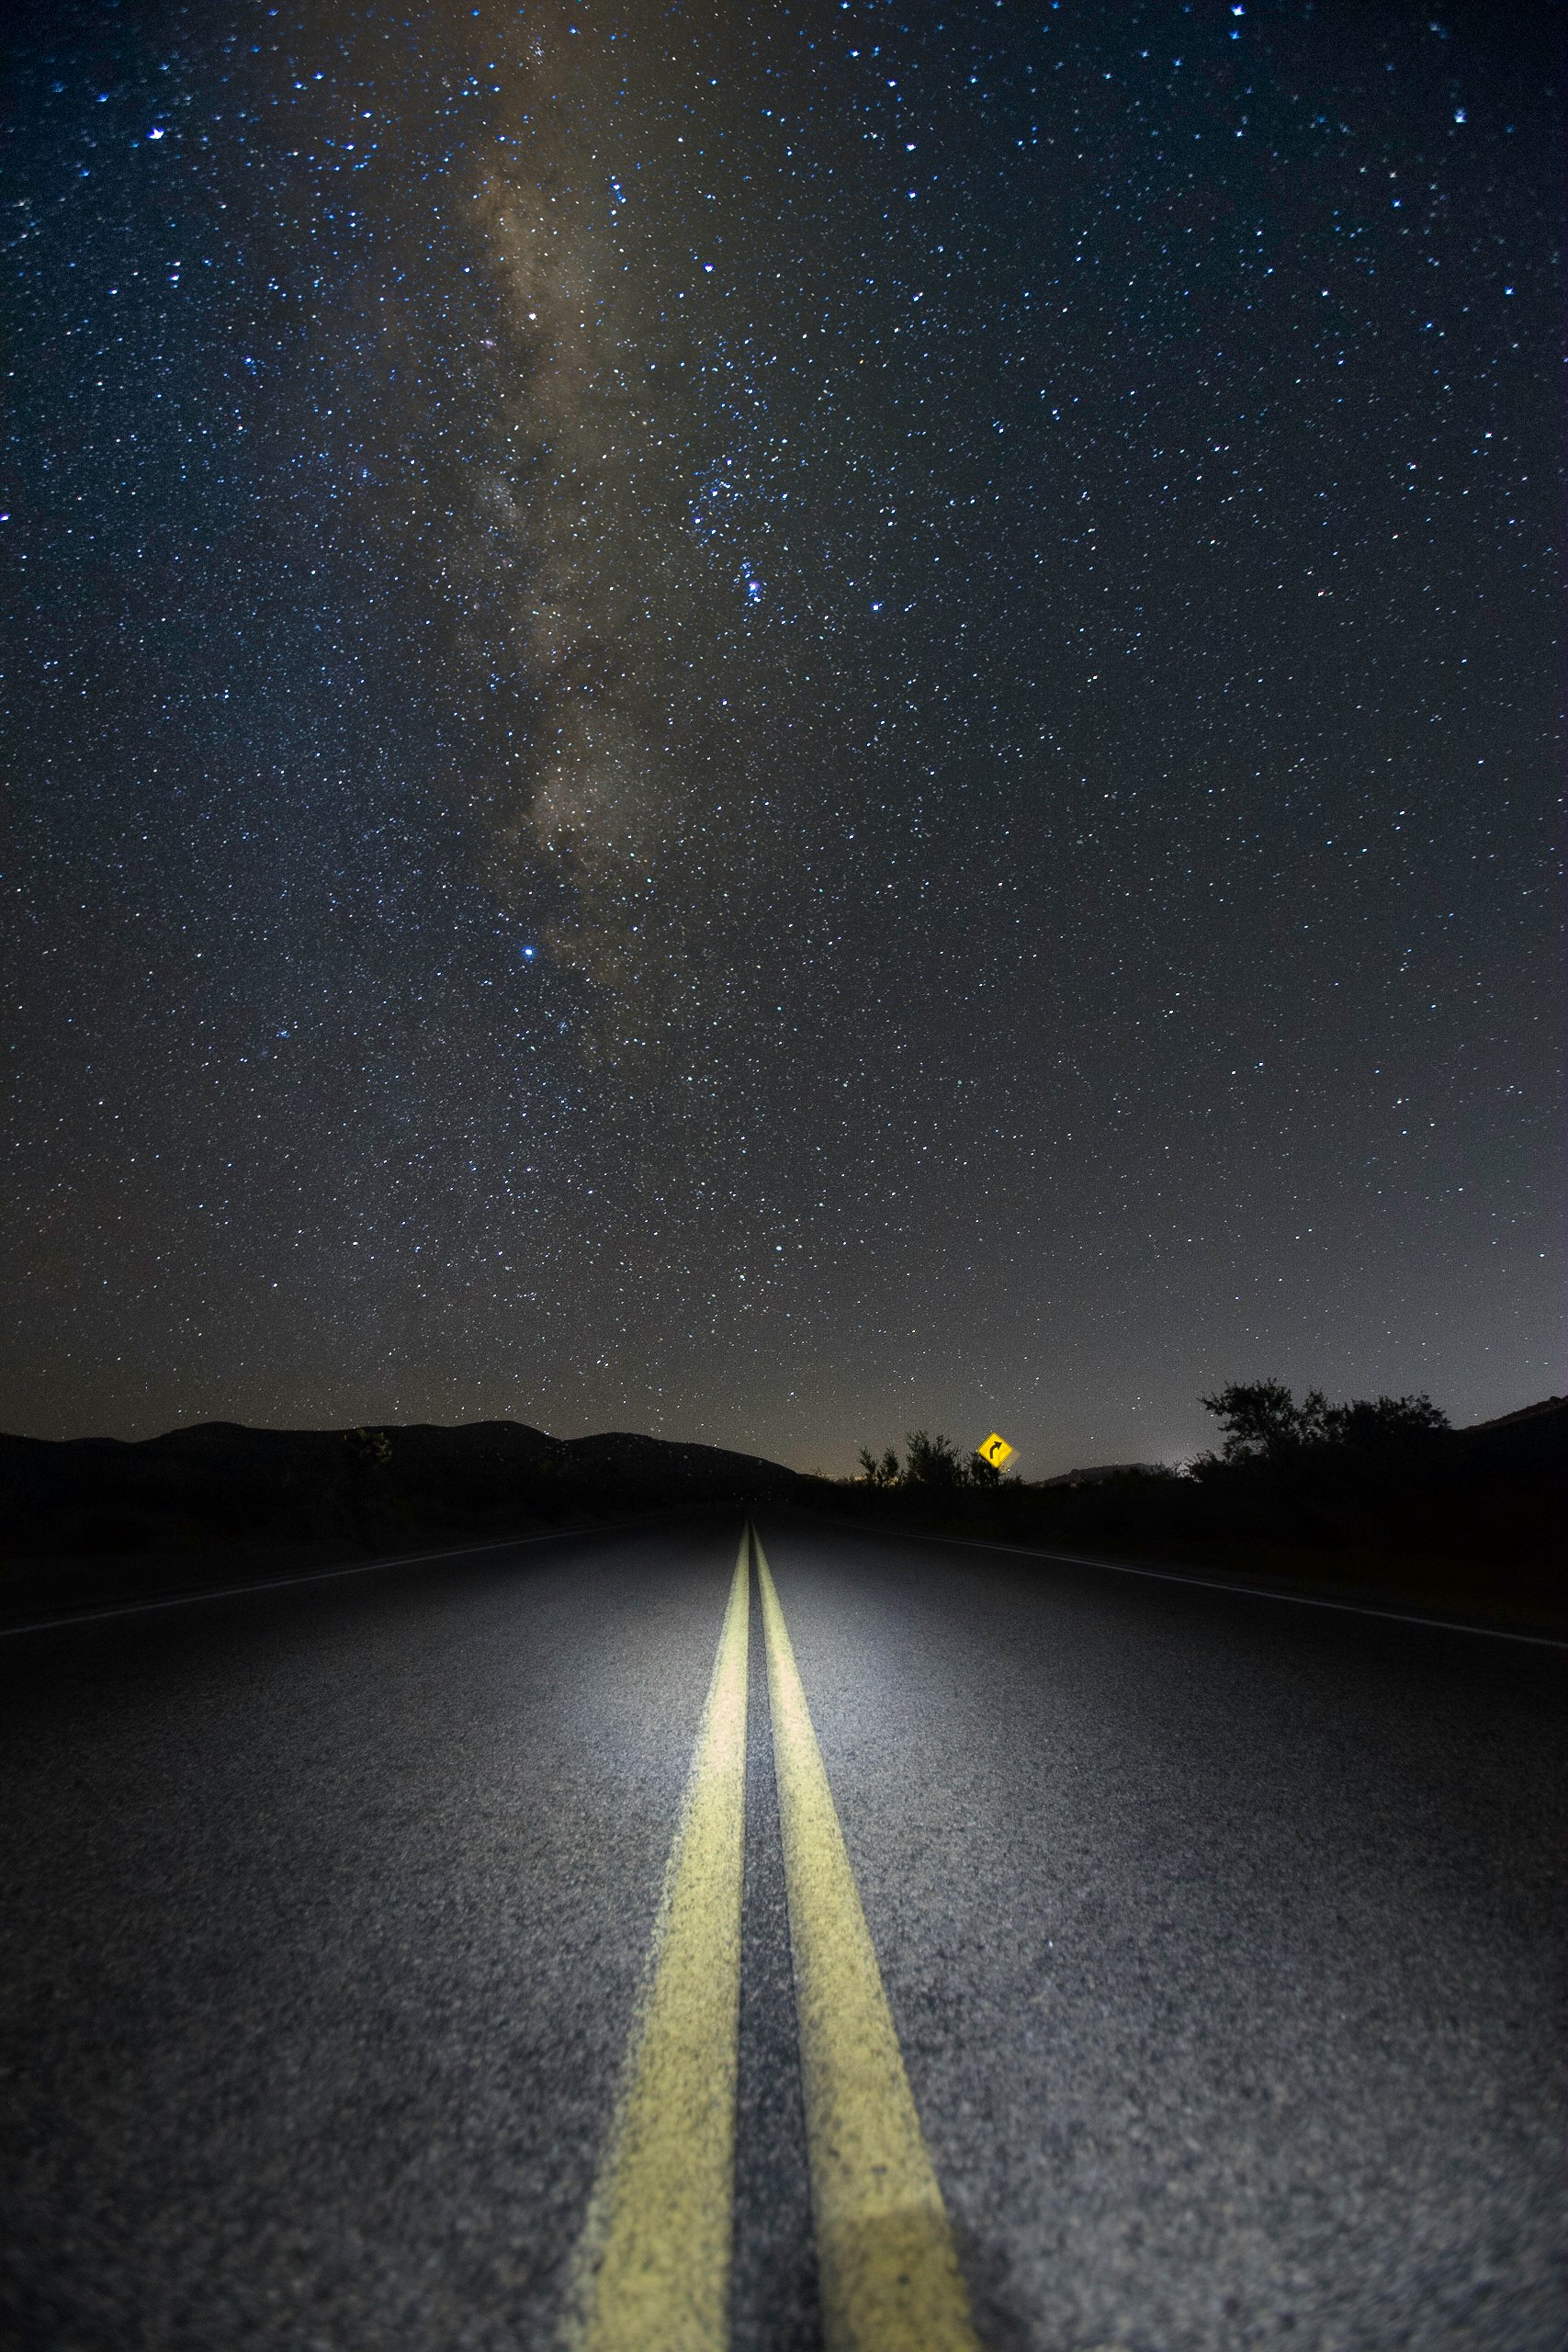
point(652, 2267)
point(890, 2281)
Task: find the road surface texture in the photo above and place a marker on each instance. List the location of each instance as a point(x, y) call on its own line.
point(1224, 1941)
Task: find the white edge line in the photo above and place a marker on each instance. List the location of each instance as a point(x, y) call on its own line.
point(1221, 1584)
point(312, 1575)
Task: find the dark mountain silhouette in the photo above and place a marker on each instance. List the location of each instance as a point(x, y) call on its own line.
point(1094, 1474)
point(1548, 1408)
point(220, 1482)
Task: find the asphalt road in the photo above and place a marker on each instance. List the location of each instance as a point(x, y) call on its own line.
point(1225, 1941)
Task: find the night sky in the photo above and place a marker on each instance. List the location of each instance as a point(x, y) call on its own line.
point(772, 722)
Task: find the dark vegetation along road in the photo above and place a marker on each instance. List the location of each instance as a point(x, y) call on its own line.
point(1378, 1498)
point(1190, 1964)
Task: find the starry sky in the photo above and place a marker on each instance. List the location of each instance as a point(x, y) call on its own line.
point(777, 721)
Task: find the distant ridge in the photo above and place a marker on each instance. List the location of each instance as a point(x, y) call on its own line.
point(222, 1482)
point(1092, 1474)
point(1523, 1413)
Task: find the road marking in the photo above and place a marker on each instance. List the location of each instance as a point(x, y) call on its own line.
point(889, 2276)
point(652, 2267)
point(315, 1576)
point(1210, 1584)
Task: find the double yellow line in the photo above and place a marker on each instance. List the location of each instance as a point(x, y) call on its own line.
point(652, 2269)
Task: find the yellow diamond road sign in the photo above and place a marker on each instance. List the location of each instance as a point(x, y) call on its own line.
point(996, 1451)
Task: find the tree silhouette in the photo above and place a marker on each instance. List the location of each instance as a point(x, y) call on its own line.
point(1262, 1421)
point(878, 1470)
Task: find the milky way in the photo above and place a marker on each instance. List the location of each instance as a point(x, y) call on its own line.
point(774, 723)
